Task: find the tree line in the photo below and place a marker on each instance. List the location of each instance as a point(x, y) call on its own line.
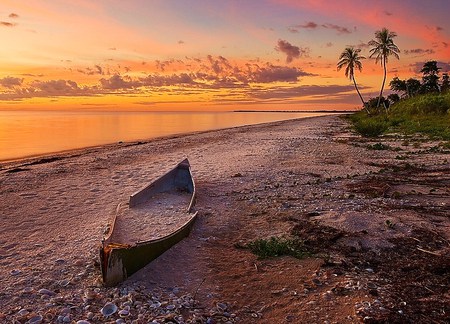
point(383, 47)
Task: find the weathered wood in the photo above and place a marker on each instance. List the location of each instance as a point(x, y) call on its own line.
point(122, 253)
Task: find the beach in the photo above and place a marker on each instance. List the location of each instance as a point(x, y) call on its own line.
point(361, 212)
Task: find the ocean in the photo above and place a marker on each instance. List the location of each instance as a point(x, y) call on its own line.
point(35, 133)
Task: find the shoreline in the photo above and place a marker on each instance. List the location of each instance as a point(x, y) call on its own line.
point(57, 155)
point(360, 212)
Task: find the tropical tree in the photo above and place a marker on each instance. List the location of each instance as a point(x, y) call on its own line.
point(350, 59)
point(398, 85)
point(445, 86)
point(430, 79)
point(413, 87)
point(382, 47)
point(393, 98)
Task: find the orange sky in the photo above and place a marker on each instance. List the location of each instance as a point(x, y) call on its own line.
point(206, 55)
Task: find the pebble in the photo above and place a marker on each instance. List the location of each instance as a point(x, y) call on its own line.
point(126, 304)
point(47, 292)
point(15, 272)
point(27, 290)
point(23, 312)
point(36, 319)
point(222, 307)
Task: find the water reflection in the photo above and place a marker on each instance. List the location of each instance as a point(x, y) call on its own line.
point(28, 133)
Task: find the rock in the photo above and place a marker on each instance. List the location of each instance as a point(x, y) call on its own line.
point(35, 319)
point(222, 307)
point(47, 292)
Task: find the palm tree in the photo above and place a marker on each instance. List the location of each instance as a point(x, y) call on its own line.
point(351, 59)
point(382, 47)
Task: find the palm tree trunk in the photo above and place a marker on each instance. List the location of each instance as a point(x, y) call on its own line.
point(359, 94)
point(382, 85)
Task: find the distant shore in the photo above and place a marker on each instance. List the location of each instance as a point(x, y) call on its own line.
point(298, 111)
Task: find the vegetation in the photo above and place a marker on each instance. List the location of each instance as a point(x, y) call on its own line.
point(421, 106)
point(382, 47)
point(351, 59)
point(369, 126)
point(277, 246)
point(428, 114)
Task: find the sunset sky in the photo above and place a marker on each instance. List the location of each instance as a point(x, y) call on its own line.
point(205, 54)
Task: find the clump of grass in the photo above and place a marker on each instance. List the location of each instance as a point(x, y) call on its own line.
point(389, 224)
point(372, 127)
point(378, 147)
point(277, 246)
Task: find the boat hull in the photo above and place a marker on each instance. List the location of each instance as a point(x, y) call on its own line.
point(119, 261)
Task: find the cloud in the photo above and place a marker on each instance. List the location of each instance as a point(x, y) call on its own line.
point(48, 89)
point(317, 91)
point(117, 82)
point(339, 29)
point(418, 51)
point(167, 80)
point(308, 25)
point(13, 15)
point(292, 52)
point(273, 73)
point(219, 64)
point(7, 24)
point(11, 82)
point(96, 70)
point(189, 76)
point(99, 69)
point(312, 26)
point(56, 87)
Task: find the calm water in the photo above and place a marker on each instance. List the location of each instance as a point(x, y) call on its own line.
point(28, 133)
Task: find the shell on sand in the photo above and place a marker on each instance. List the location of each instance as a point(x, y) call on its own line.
point(109, 309)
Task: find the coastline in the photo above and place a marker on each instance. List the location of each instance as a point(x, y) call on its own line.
point(53, 156)
point(80, 147)
point(311, 178)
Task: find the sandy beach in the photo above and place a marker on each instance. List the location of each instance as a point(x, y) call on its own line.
point(362, 212)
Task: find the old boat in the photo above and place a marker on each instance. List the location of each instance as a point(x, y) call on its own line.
point(154, 219)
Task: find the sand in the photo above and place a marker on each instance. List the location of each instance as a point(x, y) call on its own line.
point(161, 215)
point(252, 182)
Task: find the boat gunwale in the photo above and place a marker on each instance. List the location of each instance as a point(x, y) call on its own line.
point(107, 238)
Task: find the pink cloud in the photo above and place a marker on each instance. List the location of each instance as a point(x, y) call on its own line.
point(374, 15)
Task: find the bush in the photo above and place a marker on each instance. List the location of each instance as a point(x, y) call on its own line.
point(277, 246)
point(428, 114)
point(371, 127)
point(423, 105)
point(379, 147)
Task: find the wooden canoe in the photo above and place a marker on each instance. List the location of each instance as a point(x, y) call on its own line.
point(155, 218)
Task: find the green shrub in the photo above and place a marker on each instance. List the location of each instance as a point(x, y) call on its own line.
point(371, 127)
point(378, 147)
point(423, 105)
point(427, 114)
point(277, 246)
